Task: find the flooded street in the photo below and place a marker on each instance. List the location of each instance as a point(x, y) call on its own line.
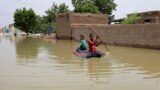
point(34, 64)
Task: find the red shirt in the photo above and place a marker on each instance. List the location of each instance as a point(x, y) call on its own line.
point(92, 46)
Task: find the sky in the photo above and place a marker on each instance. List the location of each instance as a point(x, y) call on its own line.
point(8, 7)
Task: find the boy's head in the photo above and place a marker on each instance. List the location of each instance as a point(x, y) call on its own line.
point(81, 37)
point(91, 35)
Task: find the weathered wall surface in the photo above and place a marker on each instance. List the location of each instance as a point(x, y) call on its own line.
point(88, 18)
point(63, 28)
point(71, 25)
point(142, 35)
point(65, 21)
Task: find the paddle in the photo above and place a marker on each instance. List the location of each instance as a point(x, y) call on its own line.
point(100, 39)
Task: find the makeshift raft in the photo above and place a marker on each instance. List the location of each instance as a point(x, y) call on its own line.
point(86, 54)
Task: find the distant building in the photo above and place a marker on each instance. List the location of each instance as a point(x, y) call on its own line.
point(11, 28)
point(147, 17)
point(116, 21)
point(1, 30)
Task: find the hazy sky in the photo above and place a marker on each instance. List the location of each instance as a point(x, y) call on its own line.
point(7, 7)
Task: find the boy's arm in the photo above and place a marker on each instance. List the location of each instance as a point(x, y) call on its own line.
point(98, 43)
point(91, 42)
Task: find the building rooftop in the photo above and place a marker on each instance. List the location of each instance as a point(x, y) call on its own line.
point(154, 11)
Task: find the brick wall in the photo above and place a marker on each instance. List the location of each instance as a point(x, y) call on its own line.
point(142, 35)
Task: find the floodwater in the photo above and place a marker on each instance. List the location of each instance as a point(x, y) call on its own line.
point(34, 64)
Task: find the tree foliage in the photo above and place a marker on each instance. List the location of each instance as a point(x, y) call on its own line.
point(28, 21)
point(63, 8)
point(86, 7)
point(76, 3)
point(104, 6)
point(55, 9)
point(40, 25)
point(25, 19)
point(50, 16)
point(131, 19)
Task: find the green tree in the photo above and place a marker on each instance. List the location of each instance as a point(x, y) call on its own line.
point(63, 8)
point(25, 19)
point(76, 3)
point(40, 24)
point(50, 17)
point(131, 19)
point(104, 6)
point(55, 9)
point(86, 7)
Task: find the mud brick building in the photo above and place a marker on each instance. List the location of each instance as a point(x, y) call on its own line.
point(147, 17)
point(66, 22)
point(71, 25)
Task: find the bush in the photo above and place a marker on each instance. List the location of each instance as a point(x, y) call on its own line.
point(131, 19)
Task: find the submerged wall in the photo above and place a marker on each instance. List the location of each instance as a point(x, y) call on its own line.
point(140, 35)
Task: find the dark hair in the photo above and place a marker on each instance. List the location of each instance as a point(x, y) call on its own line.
point(91, 34)
point(82, 36)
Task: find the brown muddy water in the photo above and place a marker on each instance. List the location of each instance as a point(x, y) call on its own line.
point(34, 64)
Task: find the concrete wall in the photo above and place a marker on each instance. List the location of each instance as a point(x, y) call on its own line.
point(142, 35)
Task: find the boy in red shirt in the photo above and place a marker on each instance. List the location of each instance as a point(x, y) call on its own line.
point(93, 44)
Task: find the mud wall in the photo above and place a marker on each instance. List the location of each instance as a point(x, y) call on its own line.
point(63, 29)
point(140, 35)
point(88, 18)
point(65, 21)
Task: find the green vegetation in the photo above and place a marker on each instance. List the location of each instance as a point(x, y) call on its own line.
point(55, 9)
point(131, 19)
point(103, 6)
point(29, 22)
point(86, 7)
point(25, 19)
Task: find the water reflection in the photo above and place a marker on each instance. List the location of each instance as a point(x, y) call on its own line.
point(52, 64)
point(60, 54)
point(27, 48)
point(63, 49)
